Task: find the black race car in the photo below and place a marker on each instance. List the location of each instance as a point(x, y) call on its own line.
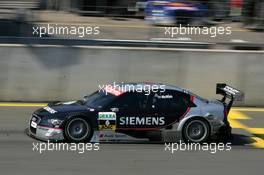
point(139, 111)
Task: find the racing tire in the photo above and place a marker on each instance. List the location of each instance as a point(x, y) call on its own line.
point(78, 130)
point(196, 131)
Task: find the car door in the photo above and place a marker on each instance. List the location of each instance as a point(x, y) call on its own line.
point(170, 104)
point(131, 110)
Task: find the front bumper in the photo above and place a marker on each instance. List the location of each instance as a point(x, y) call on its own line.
point(41, 132)
point(44, 133)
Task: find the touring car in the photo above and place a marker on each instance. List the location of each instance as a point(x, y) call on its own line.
point(175, 12)
point(164, 113)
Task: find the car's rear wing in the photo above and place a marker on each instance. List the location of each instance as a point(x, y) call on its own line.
point(229, 92)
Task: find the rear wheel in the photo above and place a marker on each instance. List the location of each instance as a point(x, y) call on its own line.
point(196, 131)
point(78, 130)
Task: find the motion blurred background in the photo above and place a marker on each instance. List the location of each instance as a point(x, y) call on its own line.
point(131, 45)
point(127, 42)
point(119, 16)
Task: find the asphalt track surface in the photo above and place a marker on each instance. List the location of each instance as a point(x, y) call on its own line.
point(17, 155)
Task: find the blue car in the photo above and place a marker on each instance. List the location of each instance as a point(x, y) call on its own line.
point(174, 12)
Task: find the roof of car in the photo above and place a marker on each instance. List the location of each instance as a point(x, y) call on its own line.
point(142, 84)
point(116, 88)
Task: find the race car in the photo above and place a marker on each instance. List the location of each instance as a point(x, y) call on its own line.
point(171, 12)
point(186, 12)
point(137, 111)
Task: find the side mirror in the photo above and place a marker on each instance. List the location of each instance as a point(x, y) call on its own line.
point(114, 109)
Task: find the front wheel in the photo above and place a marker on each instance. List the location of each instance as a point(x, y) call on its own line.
point(196, 131)
point(78, 130)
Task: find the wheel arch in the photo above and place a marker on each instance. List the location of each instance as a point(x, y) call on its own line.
point(185, 120)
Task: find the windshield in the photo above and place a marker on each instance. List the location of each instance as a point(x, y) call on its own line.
point(98, 99)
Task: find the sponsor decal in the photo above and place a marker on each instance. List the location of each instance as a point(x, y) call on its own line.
point(107, 116)
point(112, 136)
point(50, 110)
point(107, 120)
point(139, 121)
point(231, 90)
point(163, 96)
